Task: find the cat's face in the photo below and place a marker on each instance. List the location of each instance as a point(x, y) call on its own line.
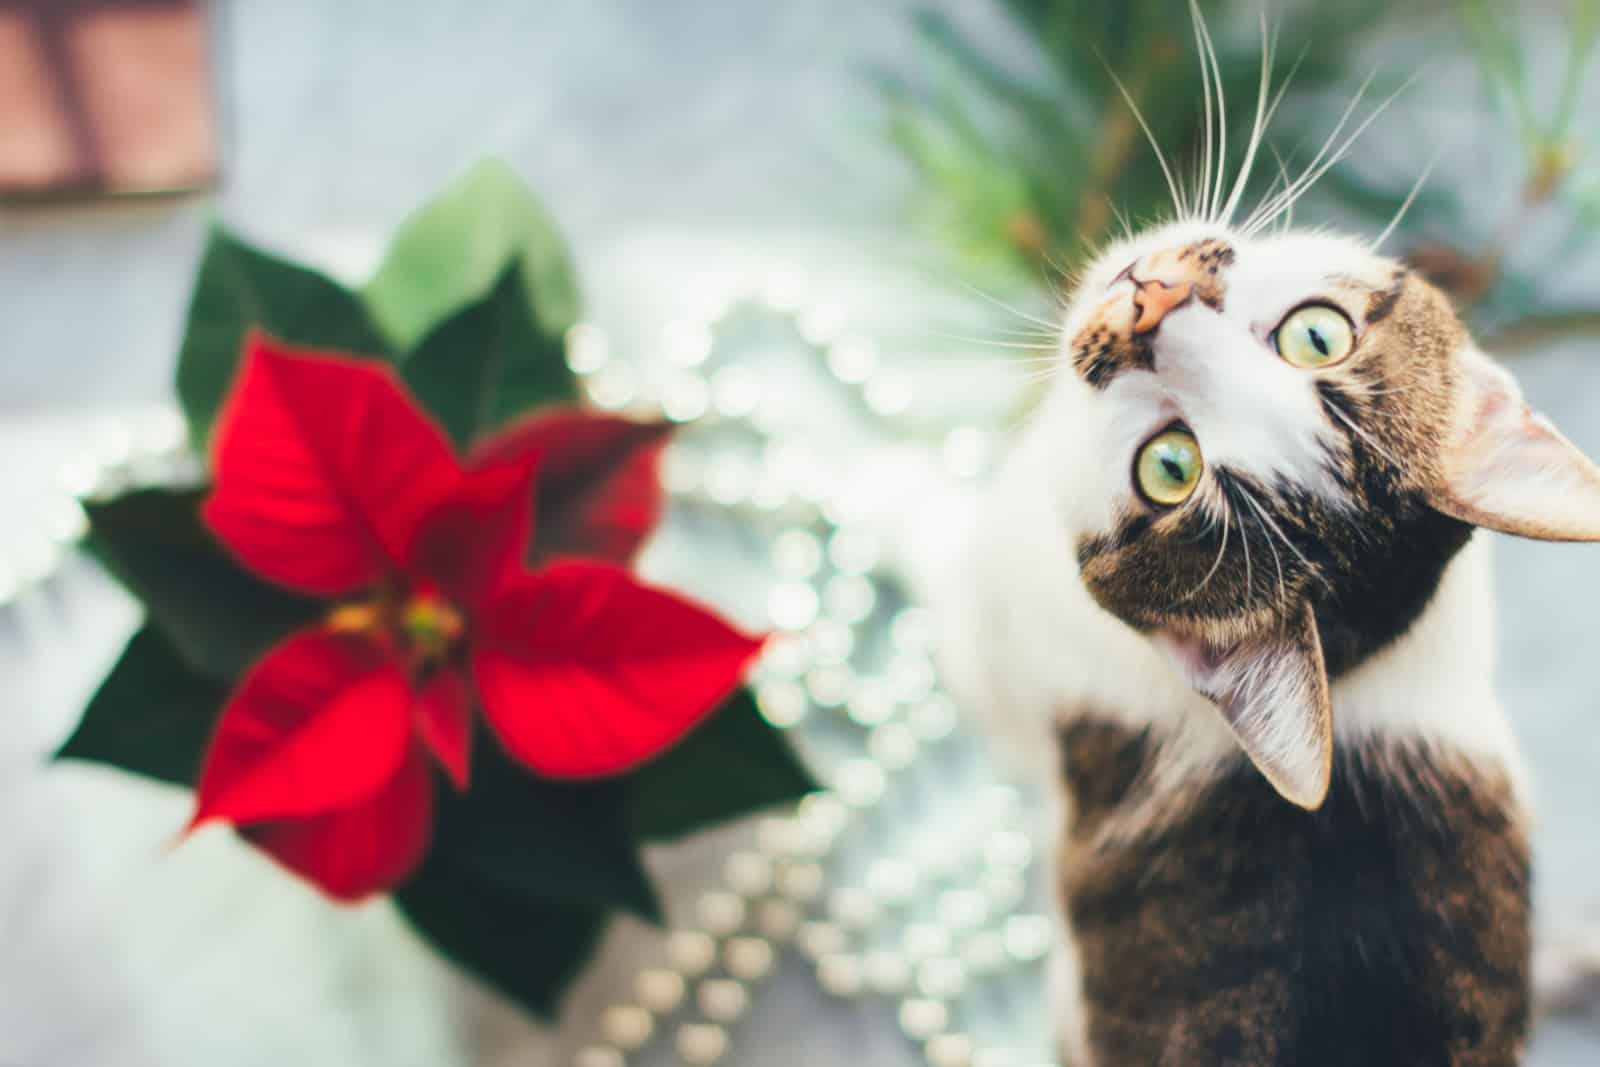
point(1259, 387)
point(1270, 448)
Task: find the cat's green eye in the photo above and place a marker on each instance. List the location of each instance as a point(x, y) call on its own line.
point(1168, 467)
point(1314, 336)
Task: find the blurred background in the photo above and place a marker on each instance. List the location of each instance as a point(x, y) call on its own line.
point(930, 172)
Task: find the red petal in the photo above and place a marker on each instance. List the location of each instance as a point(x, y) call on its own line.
point(356, 851)
point(475, 539)
point(444, 720)
point(598, 493)
point(319, 723)
point(323, 465)
point(584, 672)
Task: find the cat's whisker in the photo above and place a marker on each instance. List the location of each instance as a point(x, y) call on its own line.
point(1312, 176)
point(1257, 127)
point(1027, 339)
point(1017, 374)
point(1197, 172)
point(1207, 160)
point(1222, 551)
point(1277, 561)
point(1063, 272)
point(1270, 208)
point(1366, 438)
point(1041, 365)
point(1206, 531)
point(1272, 524)
point(1030, 330)
point(1283, 167)
point(1283, 173)
point(1003, 306)
point(1405, 205)
point(1025, 346)
point(958, 376)
point(1370, 441)
point(1244, 539)
point(1288, 79)
point(1051, 283)
point(1282, 178)
point(1208, 56)
point(1124, 223)
point(1173, 187)
point(942, 361)
point(1127, 225)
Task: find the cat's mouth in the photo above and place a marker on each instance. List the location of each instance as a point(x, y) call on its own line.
point(1213, 630)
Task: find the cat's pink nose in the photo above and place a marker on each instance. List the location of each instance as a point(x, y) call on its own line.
point(1164, 281)
point(1152, 300)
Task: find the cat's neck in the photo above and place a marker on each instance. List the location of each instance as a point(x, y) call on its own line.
point(1436, 680)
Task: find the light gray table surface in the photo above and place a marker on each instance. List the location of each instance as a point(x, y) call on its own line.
point(678, 144)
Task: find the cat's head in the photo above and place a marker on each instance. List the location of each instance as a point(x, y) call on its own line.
point(1270, 447)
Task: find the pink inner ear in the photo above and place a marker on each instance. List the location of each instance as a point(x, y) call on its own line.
point(1507, 468)
point(1189, 654)
point(1272, 692)
point(1495, 405)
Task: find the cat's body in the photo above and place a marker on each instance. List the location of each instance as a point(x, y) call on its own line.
point(1238, 534)
point(1388, 927)
point(1206, 919)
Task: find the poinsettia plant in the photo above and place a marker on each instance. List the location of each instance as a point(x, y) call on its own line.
point(395, 641)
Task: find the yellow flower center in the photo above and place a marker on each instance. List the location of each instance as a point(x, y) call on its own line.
point(426, 625)
point(359, 618)
point(431, 624)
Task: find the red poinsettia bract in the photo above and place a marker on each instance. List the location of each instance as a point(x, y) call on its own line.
point(330, 481)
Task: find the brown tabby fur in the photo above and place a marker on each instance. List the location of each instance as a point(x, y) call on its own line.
point(1389, 927)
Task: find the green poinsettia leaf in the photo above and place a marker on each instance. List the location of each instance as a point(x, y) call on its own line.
point(489, 362)
point(240, 287)
point(545, 842)
point(732, 765)
point(217, 615)
point(529, 949)
point(153, 714)
point(454, 250)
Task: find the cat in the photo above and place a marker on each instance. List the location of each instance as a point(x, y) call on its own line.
point(1230, 564)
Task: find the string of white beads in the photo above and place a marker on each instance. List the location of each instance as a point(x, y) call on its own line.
point(137, 450)
point(876, 938)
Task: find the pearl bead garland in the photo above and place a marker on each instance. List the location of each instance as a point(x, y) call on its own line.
point(135, 451)
point(924, 925)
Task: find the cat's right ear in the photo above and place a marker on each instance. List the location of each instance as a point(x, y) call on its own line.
point(1506, 468)
point(1273, 693)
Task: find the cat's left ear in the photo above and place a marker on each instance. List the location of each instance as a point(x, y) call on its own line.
point(1273, 693)
point(1507, 468)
